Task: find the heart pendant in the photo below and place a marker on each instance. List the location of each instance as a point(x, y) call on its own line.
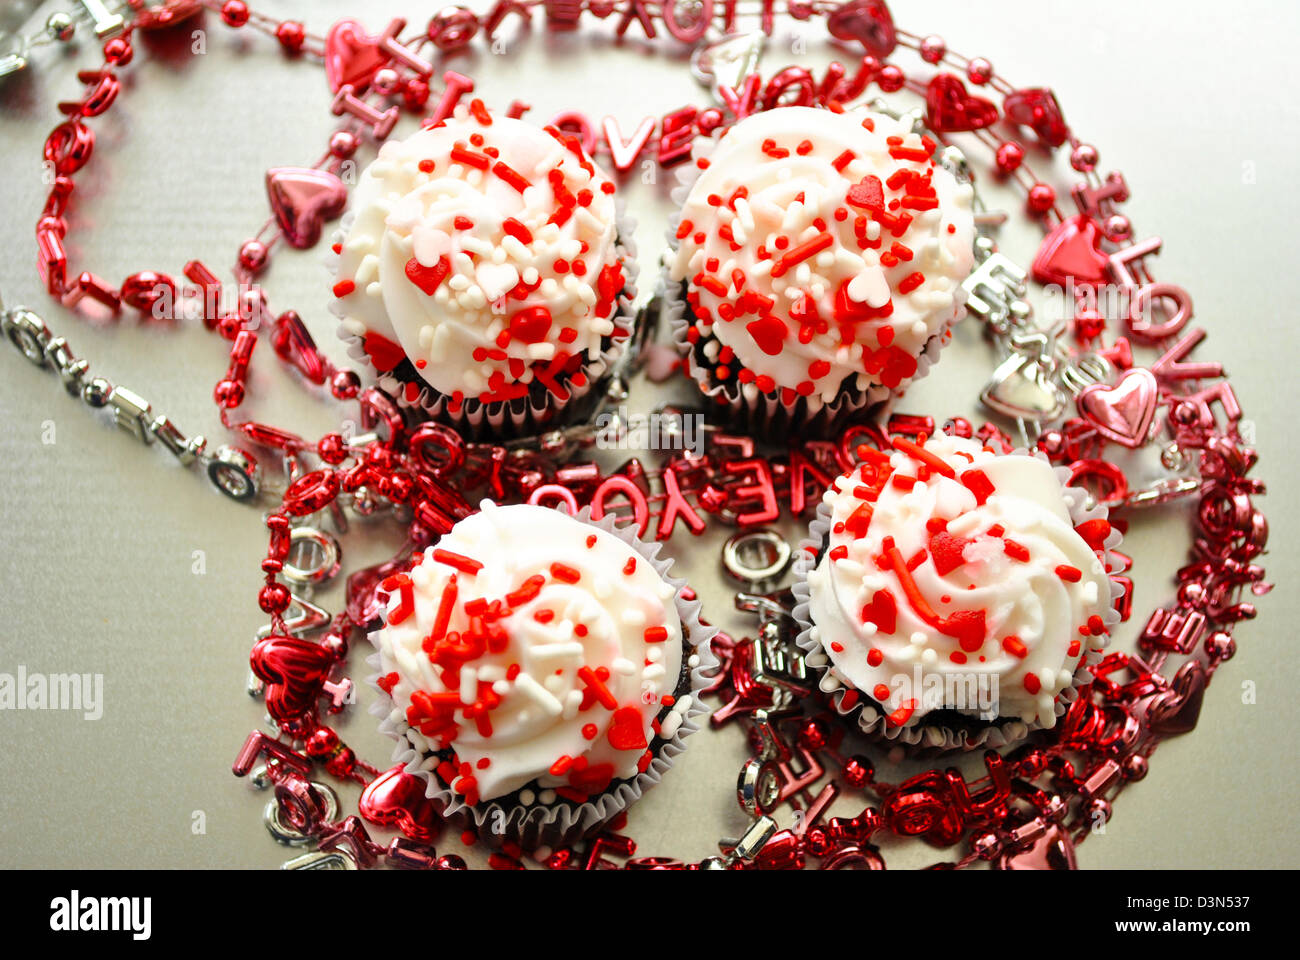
point(950, 108)
point(1021, 388)
point(351, 56)
point(1051, 851)
point(396, 798)
point(302, 199)
point(1122, 413)
point(1179, 708)
point(1072, 252)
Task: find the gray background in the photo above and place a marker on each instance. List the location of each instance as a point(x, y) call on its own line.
point(1194, 102)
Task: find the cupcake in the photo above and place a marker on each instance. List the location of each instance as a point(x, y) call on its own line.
point(817, 264)
point(482, 274)
point(540, 671)
point(952, 596)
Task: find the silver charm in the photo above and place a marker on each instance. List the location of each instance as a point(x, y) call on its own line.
point(318, 556)
point(285, 832)
point(757, 558)
point(132, 413)
point(337, 859)
point(234, 472)
point(308, 618)
point(106, 23)
point(1022, 385)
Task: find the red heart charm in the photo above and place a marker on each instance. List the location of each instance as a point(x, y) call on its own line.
point(1072, 252)
point(294, 671)
point(1179, 708)
point(950, 108)
point(1037, 109)
point(1053, 850)
point(302, 200)
point(627, 729)
point(1122, 413)
point(396, 798)
point(351, 56)
point(867, 21)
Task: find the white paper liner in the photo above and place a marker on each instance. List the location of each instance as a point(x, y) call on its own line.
point(935, 737)
point(748, 407)
point(563, 822)
point(508, 419)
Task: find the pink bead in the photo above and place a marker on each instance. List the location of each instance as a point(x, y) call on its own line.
point(933, 49)
point(343, 144)
point(1084, 158)
point(979, 71)
point(253, 256)
point(452, 28)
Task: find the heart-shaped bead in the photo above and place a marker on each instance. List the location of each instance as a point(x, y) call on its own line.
point(869, 22)
point(1178, 709)
point(294, 671)
point(302, 200)
point(351, 56)
point(1037, 109)
point(1072, 253)
point(950, 108)
point(1122, 413)
point(396, 798)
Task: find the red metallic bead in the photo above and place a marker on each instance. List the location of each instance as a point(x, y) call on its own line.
point(1084, 158)
point(311, 492)
point(1041, 197)
point(291, 35)
point(933, 49)
point(891, 79)
point(345, 385)
point(342, 763)
point(228, 394)
point(452, 28)
point(812, 734)
point(118, 51)
point(332, 448)
point(322, 743)
point(415, 94)
point(343, 144)
point(69, 146)
point(146, 290)
point(234, 13)
point(449, 861)
point(253, 256)
point(273, 598)
point(858, 771)
point(1009, 157)
point(979, 71)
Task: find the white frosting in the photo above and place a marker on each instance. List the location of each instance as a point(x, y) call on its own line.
point(860, 256)
point(481, 307)
point(1018, 579)
point(547, 710)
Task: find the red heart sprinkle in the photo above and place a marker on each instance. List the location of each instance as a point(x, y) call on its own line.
point(428, 279)
point(627, 730)
point(947, 552)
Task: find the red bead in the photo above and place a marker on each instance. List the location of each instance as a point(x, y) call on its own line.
point(322, 743)
point(415, 94)
point(933, 49)
point(146, 290)
point(342, 763)
point(228, 327)
point(234, 13)
point(1084, 158)
point(979, 71)
point(1041, 197)
point(1009, 157)
point(332, 448)
point(291, 36)
point(891, 79)
point(343, 143)
point(858, 771)
point(253, 256)
point(118, 52)
point(345, 385)
point(228, 394)
point(273, 598)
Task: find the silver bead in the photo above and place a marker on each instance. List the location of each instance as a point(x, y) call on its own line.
point(235, 473)
point(713, 863)
point(60, 26)
point(96, 392)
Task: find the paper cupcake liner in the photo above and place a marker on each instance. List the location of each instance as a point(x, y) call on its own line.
point(528, 416)
point(747, 406)
point(937, 737)
point(563, 822)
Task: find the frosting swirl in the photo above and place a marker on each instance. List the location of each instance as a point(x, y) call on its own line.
point(949, 563)
point(819, 246)
point(537, 648)
point(484, 250)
